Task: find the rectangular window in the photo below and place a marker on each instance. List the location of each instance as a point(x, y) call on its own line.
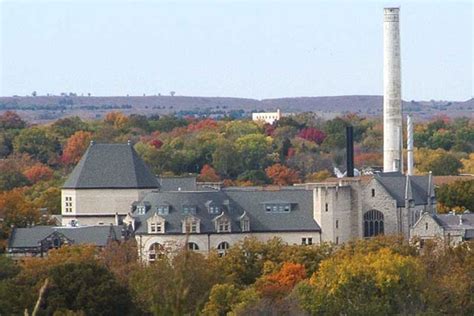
point(373, 192)
point(303, 241)
point(426, 226)
point(326, 207)
point(310, 241)
point(153, 227)
point(337, 223)
point(337, 240)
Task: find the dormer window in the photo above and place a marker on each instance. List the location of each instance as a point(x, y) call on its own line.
point(156, 224)
point(278, 207)
point(163, 209)
point(189, 209)
point(222, 224)
point(191, 225)
point(212, 208)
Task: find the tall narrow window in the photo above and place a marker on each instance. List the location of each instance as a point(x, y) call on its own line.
point(373, 192)
point(326, 207)
point(373, 223)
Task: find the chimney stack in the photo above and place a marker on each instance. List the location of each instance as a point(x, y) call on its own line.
point(350, 151)
point(392, 99)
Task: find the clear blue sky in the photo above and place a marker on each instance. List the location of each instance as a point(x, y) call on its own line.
point(255, 49)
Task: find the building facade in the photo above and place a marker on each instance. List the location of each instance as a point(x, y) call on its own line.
point(267, 117)
point(112, 185)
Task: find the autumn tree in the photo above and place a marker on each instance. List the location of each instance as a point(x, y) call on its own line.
point(11, 120)
point(75, 147)
point(282, 175)
point(38, 172)
point(116, 119)
point(208, 174)
point(16, 209)
point(312, 134)
point(374, 283)
point(438, 161)
point(279, 284)
point(457, 195)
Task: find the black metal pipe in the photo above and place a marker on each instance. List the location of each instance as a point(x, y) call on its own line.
point(350, 151)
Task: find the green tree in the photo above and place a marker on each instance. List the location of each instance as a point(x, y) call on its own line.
point(37, 143)
point(86, 287)
point(253, 150)
point(66, 127)
point(458, 195)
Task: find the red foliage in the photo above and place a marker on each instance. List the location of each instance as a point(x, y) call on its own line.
point(208, 174)
point(282, 175)
point(368, 159)
point(312, 134)
point(203, 124)
point(38, 172)
point(279, 284)
point(75, 147)
point(291, 152)
point(269, 129)
point(156, 143)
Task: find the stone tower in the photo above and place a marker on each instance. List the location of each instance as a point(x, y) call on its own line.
point(392, 99)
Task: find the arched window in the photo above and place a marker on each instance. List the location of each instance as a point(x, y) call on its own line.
point(373, 223)
point(222, 248)
point(155, 252)
point(193, 246)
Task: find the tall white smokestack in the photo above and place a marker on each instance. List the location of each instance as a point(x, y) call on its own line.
point(392, 96)
point(409, 145)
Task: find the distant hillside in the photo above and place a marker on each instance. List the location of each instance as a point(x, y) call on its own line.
point(47, 108)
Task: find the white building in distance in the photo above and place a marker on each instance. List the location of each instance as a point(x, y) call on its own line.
point(267, 117)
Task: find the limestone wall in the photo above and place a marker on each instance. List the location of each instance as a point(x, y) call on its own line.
point(206, 242)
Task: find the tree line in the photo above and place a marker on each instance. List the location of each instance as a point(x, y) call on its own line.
point(380, 276)
point(36, 159)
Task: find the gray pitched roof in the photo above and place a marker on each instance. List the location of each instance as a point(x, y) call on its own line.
point(453, 221)
point(234, 202)
point(31, 237)
point(177, 183)
point(395, 184)
point(115, 166)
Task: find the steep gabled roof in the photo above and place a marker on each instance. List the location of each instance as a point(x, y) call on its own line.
point(395, 184)
point(115, 166)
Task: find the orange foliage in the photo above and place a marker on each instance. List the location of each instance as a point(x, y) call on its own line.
point(279, 284)
point(75, 147)
point(368, 159)
point(117, 119)
point(38, 172)
point(16, 209)
point(208, 174)
point(282, 175)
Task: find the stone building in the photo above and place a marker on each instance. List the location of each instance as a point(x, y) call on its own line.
point(451, 228)
point(104, 183)
point(112, 185)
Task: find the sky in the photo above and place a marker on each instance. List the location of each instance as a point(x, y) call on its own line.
point(252, 49)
